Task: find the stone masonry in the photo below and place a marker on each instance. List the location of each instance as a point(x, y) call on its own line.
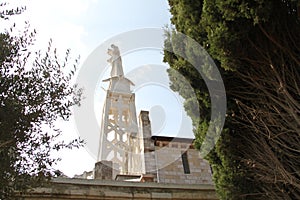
point(66, 188)
point(163, 157)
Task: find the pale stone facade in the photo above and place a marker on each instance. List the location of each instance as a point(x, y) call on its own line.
point(119, 128)
point(172, 160)
point(199, 170)
point(64, 188)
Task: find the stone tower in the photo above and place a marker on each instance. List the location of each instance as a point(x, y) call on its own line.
point(128, 151)
point(119, 131)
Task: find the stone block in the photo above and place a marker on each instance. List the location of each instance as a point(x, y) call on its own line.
point(103, 170)
point(158, 195)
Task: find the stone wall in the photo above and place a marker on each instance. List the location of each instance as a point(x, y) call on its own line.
point(163, 157)
point(170, 165)
point(148, 152)
point(64, 188)
point(103, 170)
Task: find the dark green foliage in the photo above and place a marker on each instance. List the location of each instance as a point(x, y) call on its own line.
point(256, 46)
point(35, 91)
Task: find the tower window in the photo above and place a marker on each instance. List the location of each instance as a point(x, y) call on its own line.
point(185, 163)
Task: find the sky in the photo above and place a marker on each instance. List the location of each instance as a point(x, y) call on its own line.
point(82, 25)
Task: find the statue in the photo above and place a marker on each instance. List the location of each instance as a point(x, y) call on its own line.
point(115, 61)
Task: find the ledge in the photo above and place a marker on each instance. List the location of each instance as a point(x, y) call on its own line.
point(95, 182)
point(89, 189)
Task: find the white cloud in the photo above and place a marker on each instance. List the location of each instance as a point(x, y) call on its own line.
point(58, 20)
point(59, 8)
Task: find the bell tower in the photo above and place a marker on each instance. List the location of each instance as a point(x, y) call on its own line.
point(119, 141)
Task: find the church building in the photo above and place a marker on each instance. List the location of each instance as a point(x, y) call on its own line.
point(132, 163)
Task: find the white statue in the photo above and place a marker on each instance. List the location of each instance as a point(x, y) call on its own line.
point(116, 61)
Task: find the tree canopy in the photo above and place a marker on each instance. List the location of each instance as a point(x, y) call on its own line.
point(255, 45)
point(36, 90)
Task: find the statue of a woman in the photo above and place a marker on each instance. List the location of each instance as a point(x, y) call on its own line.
point(116, 61)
